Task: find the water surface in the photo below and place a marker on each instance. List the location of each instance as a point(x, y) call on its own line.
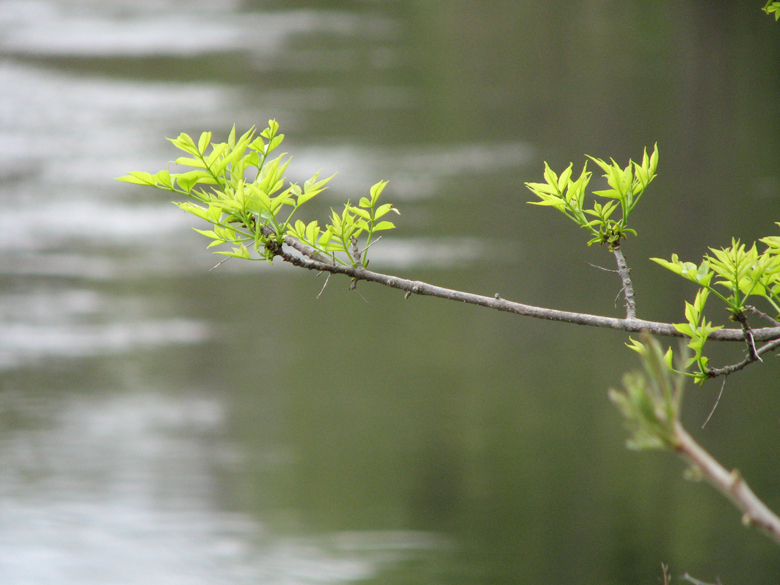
point(163, 423)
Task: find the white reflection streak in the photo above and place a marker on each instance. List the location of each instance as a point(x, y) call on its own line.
point(170, 30)
point(121, 490)
point(414, 172)
point(23, 342)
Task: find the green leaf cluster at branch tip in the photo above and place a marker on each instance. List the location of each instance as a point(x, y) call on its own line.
point(739, 273)
point(626, 186)
point(342, 233)
point(772, 7)
point(732, 274)
point(257, 213)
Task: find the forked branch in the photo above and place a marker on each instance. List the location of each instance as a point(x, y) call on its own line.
point(749, 359)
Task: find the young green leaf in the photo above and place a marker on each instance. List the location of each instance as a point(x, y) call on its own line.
point(376, 191)
point(313, 187)
point(190, 162)
point(187, 181)
point(203, 142)
point(138, 178)
point(360, 212)
point(164, 178)
point(383, 225)
point(384, 209)
point(238, 252)
point(185, 143)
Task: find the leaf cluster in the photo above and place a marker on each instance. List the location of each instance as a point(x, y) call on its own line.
point(651, 401)
point(734, 275)
point(240, 191)
point(772, 7)
point(342, 233)
point(626, 187)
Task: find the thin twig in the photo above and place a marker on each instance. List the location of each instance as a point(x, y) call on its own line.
point(379, 238)
point(751, 343)
point(601, 268)
point(628, 287)
point(218, 264)
point(667, 577)
point(617, 296)
point(687, 577)
point(749, 358)
point(355, 250)
point(763, 315)
point(327, 279)
point(714, 406)
point(730, 484)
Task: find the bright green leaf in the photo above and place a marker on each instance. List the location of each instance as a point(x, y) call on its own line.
point(376, 190)
point(203, 142)
point(138, 178)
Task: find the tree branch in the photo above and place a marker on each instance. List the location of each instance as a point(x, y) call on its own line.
point(628, 288)
point(763, 315)
point(308, 259)
point(730, 484)
point(751, 357)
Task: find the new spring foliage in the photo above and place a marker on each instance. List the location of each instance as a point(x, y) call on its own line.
point(626, 187)
point(237, 188)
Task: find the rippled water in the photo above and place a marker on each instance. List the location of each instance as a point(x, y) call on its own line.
point(160, 423)
point(121, 493)
point(120, 488)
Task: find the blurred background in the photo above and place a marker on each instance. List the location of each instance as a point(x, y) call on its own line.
point(163, 424)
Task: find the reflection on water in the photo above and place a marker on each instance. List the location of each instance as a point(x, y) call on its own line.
point(416, 172)
point(121, 28)
point(121, 490)
point(24, 343)
point(62, 140)
point(126, 488)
